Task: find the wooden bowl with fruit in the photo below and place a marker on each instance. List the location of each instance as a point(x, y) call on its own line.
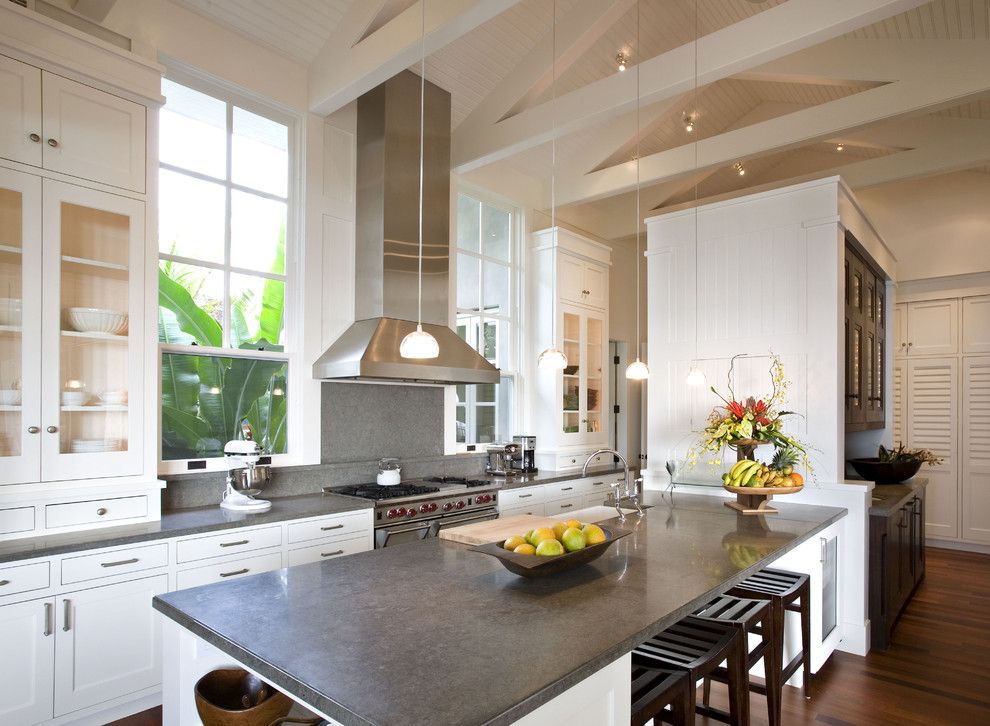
point(755, 483)
point(547, 551)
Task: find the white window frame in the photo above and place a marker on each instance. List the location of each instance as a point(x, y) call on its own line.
point(293, 277)
point(516, 250)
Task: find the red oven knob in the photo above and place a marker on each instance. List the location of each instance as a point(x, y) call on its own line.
point(400, 512)
point(460, 505)
point(391, 514)
point(424, 508)
point(485, 498)
point(433, 506)
point(411, 512)
point(447, 506)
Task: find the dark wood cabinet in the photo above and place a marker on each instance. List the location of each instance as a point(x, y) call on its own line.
point(865, 343)
point(897, 555)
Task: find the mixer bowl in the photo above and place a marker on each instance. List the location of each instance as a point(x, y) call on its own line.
point(250, 481)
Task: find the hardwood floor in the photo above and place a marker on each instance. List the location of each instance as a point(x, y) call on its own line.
point(935, 672)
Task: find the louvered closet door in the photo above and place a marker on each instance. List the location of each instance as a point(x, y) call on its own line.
point(899, 382)
point(932, 410)
point(975, 452)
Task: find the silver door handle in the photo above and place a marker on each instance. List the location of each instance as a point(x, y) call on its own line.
point(33, 429)
point(327, 529)
point(52, 429)
point(52, 143)
point(235, 544)
point(66, 615)
point(49, 619)
point(101, 511)
point(4, 582)
point(332, 554)
point(34, 137)
point(235, 572)
point(824, 545)
point(118, 563)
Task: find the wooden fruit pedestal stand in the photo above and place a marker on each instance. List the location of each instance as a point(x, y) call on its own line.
point(756, 500)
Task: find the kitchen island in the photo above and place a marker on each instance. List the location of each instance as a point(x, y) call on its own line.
point(432, 632)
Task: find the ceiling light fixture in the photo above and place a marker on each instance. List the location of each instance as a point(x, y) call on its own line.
point(553, 358)
point(420, 345)
point(839, 147)
point(689, 123)
point(740, 169)
point(622, 59)
point(637, 370)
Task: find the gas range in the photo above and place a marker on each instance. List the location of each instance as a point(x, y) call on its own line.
point(419, 510)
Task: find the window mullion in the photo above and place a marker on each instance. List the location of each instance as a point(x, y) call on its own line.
point(227, 227)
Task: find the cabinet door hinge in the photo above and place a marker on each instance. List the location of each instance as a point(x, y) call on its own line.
point(615, 408)
point(615, 360)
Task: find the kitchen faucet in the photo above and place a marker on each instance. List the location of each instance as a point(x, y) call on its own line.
point(628, 492)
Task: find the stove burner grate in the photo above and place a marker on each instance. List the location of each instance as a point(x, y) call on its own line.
point(378, 492)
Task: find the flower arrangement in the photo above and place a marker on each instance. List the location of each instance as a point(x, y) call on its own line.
point(904, 454)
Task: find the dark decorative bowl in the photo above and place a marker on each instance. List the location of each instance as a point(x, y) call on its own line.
point(538, 566)
point(885, 472)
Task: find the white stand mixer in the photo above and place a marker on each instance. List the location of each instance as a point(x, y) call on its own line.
point(245, 478)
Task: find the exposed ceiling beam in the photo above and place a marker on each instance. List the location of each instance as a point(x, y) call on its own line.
point(779, 31)
point(95, 10)
point(924, 87)
point(345, 69)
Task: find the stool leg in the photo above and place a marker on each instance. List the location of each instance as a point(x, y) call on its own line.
point(772, 667)
point(738, 666)
point(706, 690)
point(806, 640)
point(689, 705)
point(680, 706)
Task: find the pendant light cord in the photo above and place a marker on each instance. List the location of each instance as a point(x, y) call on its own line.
point(553, 166)
point(422, 125)
point(639, 60)
point(697, 242)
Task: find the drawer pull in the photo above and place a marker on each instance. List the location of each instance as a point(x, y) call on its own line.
point(235, 544)
point(597, 483)
point(67, 615)
point(566, 489)
point(523, 496)
point(235, 572)
point(49, 619)
point(565, 506)
point(333, 526)
point(4, 582)
point(118, 563)
point(101, 511)
point(332, 554)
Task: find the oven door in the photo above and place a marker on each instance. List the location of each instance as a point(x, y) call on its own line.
point(402, 533)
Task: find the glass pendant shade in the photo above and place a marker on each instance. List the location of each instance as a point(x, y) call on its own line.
point(696, 377)
point(419, 345)
point(552, 359)
point(637, 371)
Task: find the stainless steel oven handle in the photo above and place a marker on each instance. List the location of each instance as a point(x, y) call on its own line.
point(422, 524)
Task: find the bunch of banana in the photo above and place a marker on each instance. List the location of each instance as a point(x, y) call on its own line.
point(749, 473)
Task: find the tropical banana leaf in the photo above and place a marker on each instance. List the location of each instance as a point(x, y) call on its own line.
point(273, 299)
point(189, 426)
point(191, 319)
point(180, 383)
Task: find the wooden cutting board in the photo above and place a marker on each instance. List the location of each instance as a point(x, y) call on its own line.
point(495, 530)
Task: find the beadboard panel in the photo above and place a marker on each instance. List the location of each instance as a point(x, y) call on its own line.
point(975, 452)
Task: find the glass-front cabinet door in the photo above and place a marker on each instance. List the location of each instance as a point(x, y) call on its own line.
point(20, 330)
point(92, 334)
point(583, 392)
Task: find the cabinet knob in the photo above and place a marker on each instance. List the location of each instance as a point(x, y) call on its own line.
point(33, 429)
point(52, 143)
point(52, 429)
point(910, 344)
point(34, 137)
point(101, 511)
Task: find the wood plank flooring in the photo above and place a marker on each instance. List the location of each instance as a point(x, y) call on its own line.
point(935, 672)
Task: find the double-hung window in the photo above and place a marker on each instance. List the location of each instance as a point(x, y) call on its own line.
point(222, 274)
point(486, 314)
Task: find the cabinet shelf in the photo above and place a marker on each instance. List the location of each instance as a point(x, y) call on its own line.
point(94, 263)
point(95, 336)
point(7, 407)
point(94, 409)
point(10, 328)
point(11, 249)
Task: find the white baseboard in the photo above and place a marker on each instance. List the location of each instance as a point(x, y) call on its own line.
point(114, 710)
point(855, 638)
point(958, 545)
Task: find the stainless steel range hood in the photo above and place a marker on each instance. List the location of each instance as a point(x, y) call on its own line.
point(387, 240)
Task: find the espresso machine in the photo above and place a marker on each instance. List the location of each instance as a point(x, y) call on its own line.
point(500, 459)
point(524, 460)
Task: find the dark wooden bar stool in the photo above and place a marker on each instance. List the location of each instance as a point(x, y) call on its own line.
point(697, 647)
point(653, 689)
point(748, 616)
point(787, 592)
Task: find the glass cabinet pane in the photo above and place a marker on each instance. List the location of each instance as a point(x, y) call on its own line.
point(593, 381)
point(571, 403)
point(94, 337)
point(11, 343)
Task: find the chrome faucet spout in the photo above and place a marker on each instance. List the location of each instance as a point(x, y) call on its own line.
point(627, 492)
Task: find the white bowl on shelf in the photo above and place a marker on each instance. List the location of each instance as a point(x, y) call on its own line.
point(113, 398)
point(10, 311)
point(10, 397)
point(94, 446)
point(97, 320)
point(75, 398)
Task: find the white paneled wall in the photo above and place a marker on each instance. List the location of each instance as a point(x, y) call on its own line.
point(766, 278)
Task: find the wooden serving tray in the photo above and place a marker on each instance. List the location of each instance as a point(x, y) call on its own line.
point(495, 530)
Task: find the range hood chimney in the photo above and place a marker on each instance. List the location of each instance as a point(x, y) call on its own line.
point(387, 242)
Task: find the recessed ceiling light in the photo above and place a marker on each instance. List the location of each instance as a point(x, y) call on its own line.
point(740, 169)
point(689, 123)
point(622, 59)
point(839, 147)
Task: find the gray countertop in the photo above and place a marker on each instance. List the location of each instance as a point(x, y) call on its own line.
point(548, 476)
point(432, 632)
point(887, 498)
point(179, 523)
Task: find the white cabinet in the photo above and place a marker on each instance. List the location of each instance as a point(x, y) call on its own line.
point(931, 415)
point(108, 643)
point(976, 324)
point(926, 328)
point(20, 111)
point(582, 283)
point(64, 126)
point(975, 450)
point(27, 663)
point(563, 506)
point(585, 343)
point(327, 551)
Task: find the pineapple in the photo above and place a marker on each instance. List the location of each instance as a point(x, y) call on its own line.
point(784, 460)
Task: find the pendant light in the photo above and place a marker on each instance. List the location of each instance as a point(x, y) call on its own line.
point(419, 344)
point(553, 358)
point(696, 376)
point(637, 370)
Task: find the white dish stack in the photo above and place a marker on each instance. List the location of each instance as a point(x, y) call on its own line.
point(94, 446)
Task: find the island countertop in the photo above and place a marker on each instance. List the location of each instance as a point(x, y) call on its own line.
point(432, 632)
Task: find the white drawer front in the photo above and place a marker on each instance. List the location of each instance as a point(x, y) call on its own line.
point(594, 500)
point(570, 461)
point(520, 497)
point(562, 506)
point(229, 570)
point(230, 542)
point(335, 526)
point(118, 562)
point(328, 550)
point(23, 578)
point(75, 514)
point(536, 510)
point(18, 519)
point(567, 489)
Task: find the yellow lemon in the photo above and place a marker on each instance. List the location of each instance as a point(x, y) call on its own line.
point(574, 539)
point(525, 549)
point(559, 529)
point(541, 534)
point(574, 523)
point(594, 534)
point(549, 548)
point(513, 542)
